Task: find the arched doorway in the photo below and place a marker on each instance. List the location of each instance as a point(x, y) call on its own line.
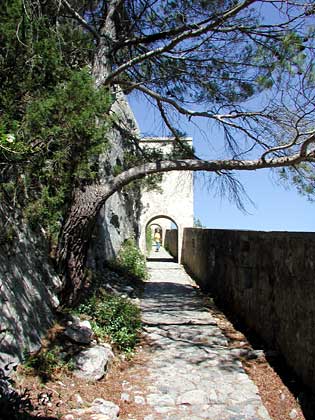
point(174, 199)
point(169, 232)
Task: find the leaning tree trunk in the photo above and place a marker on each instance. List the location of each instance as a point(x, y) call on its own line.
point(81, 219)
point(75, 237)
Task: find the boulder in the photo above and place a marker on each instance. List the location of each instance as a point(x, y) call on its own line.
point(128, 290)
point(91, 363)
point(80, 332)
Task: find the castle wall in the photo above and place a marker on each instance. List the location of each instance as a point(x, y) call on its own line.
point(267, 280)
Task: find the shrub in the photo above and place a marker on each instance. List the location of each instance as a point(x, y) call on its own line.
point(131, 260)
point(45, 363)
point(113, 317)
point(148, 239)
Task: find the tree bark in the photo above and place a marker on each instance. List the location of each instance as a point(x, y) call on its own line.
point(75, 237)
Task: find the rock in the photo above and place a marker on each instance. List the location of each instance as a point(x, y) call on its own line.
point(73, 319)
point(107, 408)
point(109, 288)
point(78, 412)
point(79, 399)
point(54, 300)
point(136, 301)
point(91, 363)
point(255, 354)
point(68, 417)
point(128, 289)
point(160, 400)
point(80, 333)
point(139, 399)
point(101, 417)
point(125, 397)
point(57, 283)
point(195, 397)
point(85, 323)
point(106, 345)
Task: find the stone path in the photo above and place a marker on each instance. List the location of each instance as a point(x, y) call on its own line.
point(192, 373)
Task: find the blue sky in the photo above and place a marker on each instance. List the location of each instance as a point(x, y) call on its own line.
point(276, 206)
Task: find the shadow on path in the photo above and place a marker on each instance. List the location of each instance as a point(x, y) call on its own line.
point(161, 259)
point(191, 360)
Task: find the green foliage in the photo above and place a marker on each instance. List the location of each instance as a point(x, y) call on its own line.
point(53, 120)
point(148, 238)
point(7, 234)
point(46, 363)
point(113, 317)
point(182, 150)
point(70, 140)
point(302, 177)
point(131, 260)
point(198, 223)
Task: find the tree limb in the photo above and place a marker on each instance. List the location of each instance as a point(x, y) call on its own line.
point(141, 171)
point(189, 34)
point(80, 19)
point(171, 128)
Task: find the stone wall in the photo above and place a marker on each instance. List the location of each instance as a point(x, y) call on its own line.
point(118, 219)
point(268, 280)
point(28, 287)
point(171, 242)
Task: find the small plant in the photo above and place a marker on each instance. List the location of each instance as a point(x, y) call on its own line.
point(113, 317)
point(131, 260)
point(7, 235)
point(198, 223)
point(45, 363)
point(148, 239)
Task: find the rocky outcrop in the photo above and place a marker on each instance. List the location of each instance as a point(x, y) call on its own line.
point(28, 287)
point(118, 219)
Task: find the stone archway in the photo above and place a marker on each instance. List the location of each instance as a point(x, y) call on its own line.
point(172, 220)
point(153, 220)
point(172, 200)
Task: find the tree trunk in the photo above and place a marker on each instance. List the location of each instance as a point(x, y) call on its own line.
point(76, 232)
point(74, 241)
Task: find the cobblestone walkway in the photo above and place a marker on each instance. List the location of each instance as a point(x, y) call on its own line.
point(192, 373)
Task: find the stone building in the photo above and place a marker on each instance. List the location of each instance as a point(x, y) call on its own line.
point(170, 207)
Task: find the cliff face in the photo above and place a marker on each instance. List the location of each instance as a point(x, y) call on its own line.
point(28, 289)
point(28, 283)
point(118, 219)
